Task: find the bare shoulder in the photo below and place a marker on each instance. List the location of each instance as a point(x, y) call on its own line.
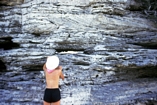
point(44, 67)
point(59, 68)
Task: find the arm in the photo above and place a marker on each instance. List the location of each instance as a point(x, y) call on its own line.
point(61, 73)
point(62, 76)
point(44, 67)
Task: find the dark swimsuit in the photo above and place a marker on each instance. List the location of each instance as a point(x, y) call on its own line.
point(52, 95)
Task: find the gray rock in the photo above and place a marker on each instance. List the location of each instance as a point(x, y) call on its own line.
point(107, 49)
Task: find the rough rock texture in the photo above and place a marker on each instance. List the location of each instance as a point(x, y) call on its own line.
point(10, 2)
point(107, 49)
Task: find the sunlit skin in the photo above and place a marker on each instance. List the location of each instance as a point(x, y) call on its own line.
point(52, 80)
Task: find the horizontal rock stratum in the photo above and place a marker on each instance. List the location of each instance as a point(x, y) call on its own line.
point(104, 46)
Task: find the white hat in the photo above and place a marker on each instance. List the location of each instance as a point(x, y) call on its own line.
point(52, 62)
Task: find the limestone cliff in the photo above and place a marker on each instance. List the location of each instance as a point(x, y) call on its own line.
point(102, 45)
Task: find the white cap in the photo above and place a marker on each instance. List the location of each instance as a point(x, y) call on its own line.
point(52, 62)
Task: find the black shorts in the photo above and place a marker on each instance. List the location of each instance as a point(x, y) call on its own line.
point(52, 95)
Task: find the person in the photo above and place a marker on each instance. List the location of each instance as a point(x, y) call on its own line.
point(53, 72)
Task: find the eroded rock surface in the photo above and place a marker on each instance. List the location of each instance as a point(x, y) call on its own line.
point(10, 2)
point(107, 49)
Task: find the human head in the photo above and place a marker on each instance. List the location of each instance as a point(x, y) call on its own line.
point(52, 62)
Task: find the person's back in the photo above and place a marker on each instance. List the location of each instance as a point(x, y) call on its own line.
point(53, 73)
point(52, 79)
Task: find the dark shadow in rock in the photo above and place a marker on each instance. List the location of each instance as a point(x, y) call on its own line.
point(6, 43)
point(145, 102)
point(10, 2)
point(81, 63)
point(131, 73)
point(33, 67)
point(37, 34)
point(2, 66)
point(148, 72)
point(89, 51)
point(3, 4)
point(151, 45)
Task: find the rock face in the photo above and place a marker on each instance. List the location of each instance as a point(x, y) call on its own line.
point(11, 2)
point(104, 46)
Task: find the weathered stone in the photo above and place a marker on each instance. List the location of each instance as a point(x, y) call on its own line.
point(11, 2)
point(107, 49)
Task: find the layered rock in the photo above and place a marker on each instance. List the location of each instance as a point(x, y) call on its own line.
point(11, 2)
point(91, 27)
point(100, 43)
